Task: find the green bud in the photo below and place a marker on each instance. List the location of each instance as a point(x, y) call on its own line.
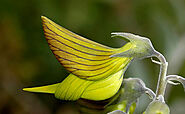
point(157, 107)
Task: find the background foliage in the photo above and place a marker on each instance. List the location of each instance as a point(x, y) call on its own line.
point(25, 59)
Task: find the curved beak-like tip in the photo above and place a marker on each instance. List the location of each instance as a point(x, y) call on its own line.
point(121, 35)
point(128, 36)
point(114, 34)
point(124, 34)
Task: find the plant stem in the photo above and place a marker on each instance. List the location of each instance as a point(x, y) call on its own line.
point(161, 85)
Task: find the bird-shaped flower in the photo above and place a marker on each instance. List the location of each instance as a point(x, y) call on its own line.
point(96, 70)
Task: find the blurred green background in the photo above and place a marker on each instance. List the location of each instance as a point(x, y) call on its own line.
point(26, 60)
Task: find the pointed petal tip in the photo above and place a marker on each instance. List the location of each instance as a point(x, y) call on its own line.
point(26, 89)
point(39, 90)
point(43, 89)
point(45, 19)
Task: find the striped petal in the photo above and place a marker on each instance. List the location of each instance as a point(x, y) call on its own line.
point(80, 56)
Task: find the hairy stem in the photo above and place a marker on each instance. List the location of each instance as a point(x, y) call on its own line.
point(161, 85)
